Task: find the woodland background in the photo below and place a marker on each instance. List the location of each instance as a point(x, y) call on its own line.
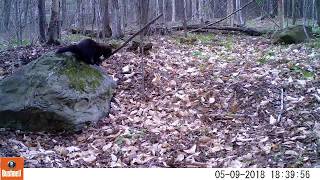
point(26, 21)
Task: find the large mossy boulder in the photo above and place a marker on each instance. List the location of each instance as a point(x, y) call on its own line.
point(54, 93)
point(292, 35)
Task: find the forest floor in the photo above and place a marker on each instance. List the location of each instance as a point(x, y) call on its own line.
point(224, 101)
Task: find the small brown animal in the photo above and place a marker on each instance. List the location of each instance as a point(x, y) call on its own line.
point(88, 51)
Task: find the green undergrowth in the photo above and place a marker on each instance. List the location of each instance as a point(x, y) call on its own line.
point(266, 57)
point(73, 38)
point(228, 44)
point(315, 43)
point(302, 71)
point(196, 38)
point(14, 44)
point(200, 55)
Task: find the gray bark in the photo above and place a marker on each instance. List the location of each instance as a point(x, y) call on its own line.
point(6, 13)
point(53, 30)
point(318, 12)
point(42, 20)
point(64, 18)
point(106, 19)
point(174, 14)
point(116, 20)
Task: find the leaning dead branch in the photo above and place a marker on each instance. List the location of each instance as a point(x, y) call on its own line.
point(228, 16)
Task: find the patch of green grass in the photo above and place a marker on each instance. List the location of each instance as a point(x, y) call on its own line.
point(263, 60)
point(315, 43)
point(205, 38)
point(305, 73)
point(316, 30)
point(16, 43)
point(228, 44)
point(196, 53)
point(2, 46)
point(200, 55)
point(266, 58)
point(73, 38)
point(193, 38)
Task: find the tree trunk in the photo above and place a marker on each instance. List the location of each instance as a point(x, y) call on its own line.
point(116, 20)
point(230, 9)
point(194, 11)
point(106, 19)
point(294, 12)
point(157, 7)
point(64, 18)
point(201, 8)
point(78, 14)
point(164, 11)
point(26, 10)
point(185, 18)
point(239, 14)
point(318, 12)
point(313, 14)
point(6, 14)
point(173, 5)
point(281, 12)
point(42, 20)
point(82, 15)
point(18, 21)
point(123, 14)
point(144, 14)
point(53, 30)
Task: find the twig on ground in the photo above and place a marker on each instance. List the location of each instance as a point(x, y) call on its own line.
point(281, 107)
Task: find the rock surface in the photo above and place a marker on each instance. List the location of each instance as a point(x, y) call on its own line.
point(54, 93)
point(292, 35)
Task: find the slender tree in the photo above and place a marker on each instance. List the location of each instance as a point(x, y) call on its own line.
point(281, 12)
point(229, 11)
point(194, 10)
point(106, 19)
point(64, 18)
point(239, 14)
point(185, 18)
point(116, 20)
point(6, 13)
point(53, 30)
point(318, 12)
point(144, 13)
point(18, 20)
point(174, 14)
point(42, 20)
point(294, 12)
point(93, 3)
point(164, 11)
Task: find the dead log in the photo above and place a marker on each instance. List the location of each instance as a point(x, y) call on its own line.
point(196, 28)
point(248, 31)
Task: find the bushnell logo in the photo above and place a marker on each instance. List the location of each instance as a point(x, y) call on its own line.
point(11, 168)
point(12, 164)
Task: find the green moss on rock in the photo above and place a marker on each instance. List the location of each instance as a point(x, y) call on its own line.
point(81, 76)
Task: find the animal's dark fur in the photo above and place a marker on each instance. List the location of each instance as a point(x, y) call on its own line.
point(88, 51)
